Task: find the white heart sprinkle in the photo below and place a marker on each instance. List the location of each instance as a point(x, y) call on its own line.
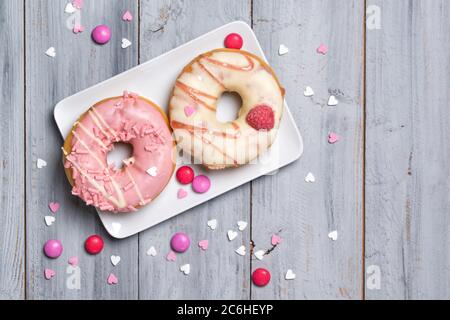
point(310, 178)
point(152, 251)
point(231, 235)
point(51, 52)
point(212, 224)
point(115, 260)
point(125, 43)
point(153, 171)
point(333, 235)
point(41, 163)
point(290, 275)
point(332, 101)
point(259, 254)
point(70, 8)
point(240, 251)
point(309, 92)
point(283, 50)
point(186, 268)
point(49, 220)
point(242, 225)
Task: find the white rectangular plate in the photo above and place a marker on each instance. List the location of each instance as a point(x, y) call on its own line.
point(154, 80)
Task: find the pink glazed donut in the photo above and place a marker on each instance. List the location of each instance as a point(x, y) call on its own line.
point(128, 119)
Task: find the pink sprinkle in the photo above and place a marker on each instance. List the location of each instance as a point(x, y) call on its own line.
point(127, 16)
point(49, 273)
point(54, 206)
point(77, 4)
point(182, 194)
point(203, 244)
point(112, 279)
point(73, 261)
point(189, 111)
point(171, 256)
point(276, 239)
point(333, 138)
point(77, 28)
point(322, 49)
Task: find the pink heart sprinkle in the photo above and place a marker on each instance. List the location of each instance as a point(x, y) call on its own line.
point(54, 206)
point(73, 261)
point(333, 138)
point(276, 240)
point(189, 111)
point(112, 279)
point(127, 16)
point(77, 4)
point(182, 194)
point(171, 256)
point(322, 49)
point(203, 244)
point(78, 28)
point(49, 273)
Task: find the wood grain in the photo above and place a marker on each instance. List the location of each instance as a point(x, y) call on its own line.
point(218, 273)
point(12, 171)
point(78, 64)
point(407, 185)
point(303, 214)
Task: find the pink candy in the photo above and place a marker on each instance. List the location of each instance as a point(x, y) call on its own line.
point(101, 34)
point(201, 184)
point(53, 248)
point(180, 242)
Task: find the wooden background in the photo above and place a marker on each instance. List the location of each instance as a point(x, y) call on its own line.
point(385, 186)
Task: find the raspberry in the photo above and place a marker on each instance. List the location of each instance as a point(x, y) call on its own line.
point(261, 118)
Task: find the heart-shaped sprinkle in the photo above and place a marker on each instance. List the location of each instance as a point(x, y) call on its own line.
point(54, 206)
point(185, 268)
point(212, 224)
point(77, 4)
point(127, 16)
point(41, 163)
point(70, 8)
point(309, 92)
point(290, 275)
point(231, 235)
point(49, 220)
point(73, 261)
point(77, 28)
point(153, 171)
point(49, 273)
point(242, 225)
point(203, 244)
point(332, 101)
point(189, 111)
point(322, 49)
point(181, 193)
point(171, 256)
point(283, 50)
point(152, 251)
point(276, 240)
point(125, 43)
point(310, 178)
point(240, 251)
point(333, 138)
point(51, 52)
point(115, 260)
point(259, 254)
point(333, 235)
point(112, 279)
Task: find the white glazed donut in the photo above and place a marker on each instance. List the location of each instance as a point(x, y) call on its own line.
point(192, 108)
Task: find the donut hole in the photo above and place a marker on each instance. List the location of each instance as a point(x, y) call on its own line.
point(228, 107)
point(121, 151)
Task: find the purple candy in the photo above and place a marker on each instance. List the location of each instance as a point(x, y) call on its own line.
point(101, 34)
point(201, 184)
point(53, 248)
point(180, 242)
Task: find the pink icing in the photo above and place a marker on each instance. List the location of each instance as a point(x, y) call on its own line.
point(128, 119)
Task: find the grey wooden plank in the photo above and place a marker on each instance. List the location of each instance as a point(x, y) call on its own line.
point(79, 63)
point(218, 272)
point(407, 186)
point(12, 171)
point(303, 214)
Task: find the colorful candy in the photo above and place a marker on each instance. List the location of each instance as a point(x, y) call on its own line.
point(185, 175)
point(53, 248)
point(201, 184)
point(233, 41)
point(261, 277)
point(101, 34)
point(94, 244)
point(180, 242)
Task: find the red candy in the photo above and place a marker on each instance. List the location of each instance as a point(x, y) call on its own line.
point(233, 41)
point(93, 244)
point(261, 277)
point(261, 118)
point(185, 175)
